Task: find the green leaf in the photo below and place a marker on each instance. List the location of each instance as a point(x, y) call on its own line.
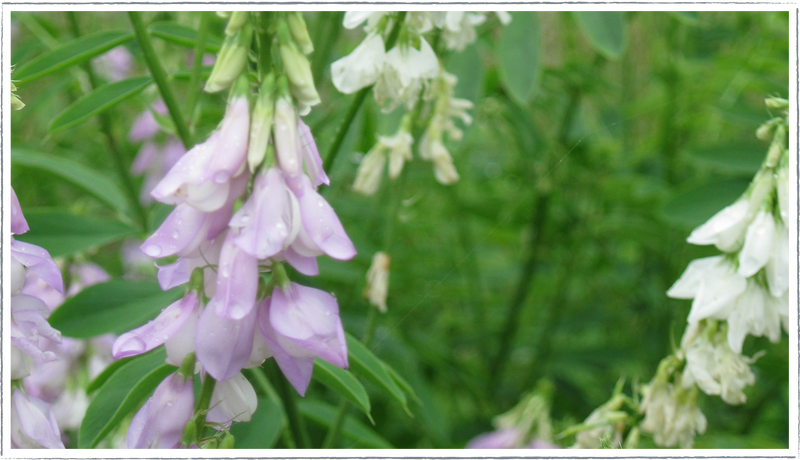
point(63, 233)
point(687, 17)
point(736, 158)
point(367, 365)
point(518, 52)
point(106, 374)
point(71, 53)
point(186, 73)
point(98, 101)
point(606, 31)
point(182, 35)
point(402, 383)
point(115, 306)
point(692, 207)
point(98, 184)
point(123, 393)
point(342, 382)
point(468, 68)
point(264, 428)
point(324, 414)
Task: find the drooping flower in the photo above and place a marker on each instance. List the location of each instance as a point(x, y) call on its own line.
point(116, 64)
point(233, 400)
point(360, 68)
point(671, 414)
point(378, 281)
point(407, 71)
point(33, 425)
point(224, 345)
point(159, 424)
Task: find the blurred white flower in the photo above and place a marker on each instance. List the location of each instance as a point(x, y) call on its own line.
point(360, 68)
point(671, 414)
point(378, 281)
point(407, 71)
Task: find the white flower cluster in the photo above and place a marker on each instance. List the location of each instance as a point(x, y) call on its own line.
point(671, 414)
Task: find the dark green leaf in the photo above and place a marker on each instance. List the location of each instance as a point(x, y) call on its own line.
point(736, 158)
point(123, 393)
point(63, 233)
point(71, 53)
point(365, 364)
point(324, 414)
point(687, 17)
point(518, 53)
point(606, 31)
point(263, 429)
point(692, 207)
point(98, 101)
point(99, 185)
point(106, 374)
point(115, 306)
point(342, 382)
point(182, 35)
point(401, 382)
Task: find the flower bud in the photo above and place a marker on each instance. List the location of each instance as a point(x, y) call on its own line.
point(236, 22)
point(370, 171)
point(261, 123)
point(378, 281)
point(776, 103)
point(297, 26)
point(231, 60)
point(298, 70)
point(777, 146)
point(286, 148)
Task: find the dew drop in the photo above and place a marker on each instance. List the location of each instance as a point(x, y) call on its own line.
point(153, 250)
point(175, 234)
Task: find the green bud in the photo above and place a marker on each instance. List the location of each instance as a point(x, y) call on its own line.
point(632, 441)
point(777, 146)
point(212, 444)
point(16, 103)
point(189, 434)
point(231, 60)
point(236, 22)
point(228, 441)
point(776, 103)
point(187, 367)
point(297, 26)
point(261, 123)
point(298, 70)
point(196, 280)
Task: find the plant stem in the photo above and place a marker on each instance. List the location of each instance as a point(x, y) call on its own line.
point(286, 393)
point(203, 401)
point(105, 126)
point(197, 68)
point(263, 383)
point(160, 77)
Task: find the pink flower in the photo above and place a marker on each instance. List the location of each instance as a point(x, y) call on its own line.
point(145, 126)
point(159, 424)
point(33, 425)
point(224, 345)
point(501, 439)
point(18, 223)
point(298, 324)
point(237, 281)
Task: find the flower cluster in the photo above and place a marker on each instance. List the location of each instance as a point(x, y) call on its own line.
point(246, 201)
point(409, 72)
point(671, 414)
point(33, 424)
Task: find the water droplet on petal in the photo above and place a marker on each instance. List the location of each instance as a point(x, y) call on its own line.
point(153, 250)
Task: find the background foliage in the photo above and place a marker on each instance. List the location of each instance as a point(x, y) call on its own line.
point(599, 142)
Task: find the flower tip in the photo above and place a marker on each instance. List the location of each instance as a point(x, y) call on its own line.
point(127, 345)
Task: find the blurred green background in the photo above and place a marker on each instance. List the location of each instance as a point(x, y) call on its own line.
point(551, 256)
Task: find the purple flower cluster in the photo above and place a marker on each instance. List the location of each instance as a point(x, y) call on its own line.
point(33, 424)
point(233, 319)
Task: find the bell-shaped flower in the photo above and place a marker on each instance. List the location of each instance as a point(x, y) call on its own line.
point(758, 242)
point(33, 425)
point(233, 400)
point(360, 68)
point(777, 268)
point(157, 331)
point(298, 324)
point(18, 223)
point(39, 262)
point(237, 281)
point(671, 415)
point(159, 424)
point(432, 148)
point(311, 158)
point(321, 231)
point(507, 438)
point(202, 176)
point(406, 73)
point(270, 218)
point(713, 284)
point(224, 345)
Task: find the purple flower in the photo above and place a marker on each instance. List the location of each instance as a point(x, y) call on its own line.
point(28, 323)
point(18, 223)
point(33, 425)
point(116, 64)
point(311, 156)
point(202, 176)
point(159, 424)
point(321, 232)
point(39, 262)
point(539, 444)
point(501, 439)
point(145, 126)
point(303, 264)
point(298, 324)
point(233, 400)
point(237, 281)
point(224, 345)
point(85, 275)
point(157, 331)
point(178, 272)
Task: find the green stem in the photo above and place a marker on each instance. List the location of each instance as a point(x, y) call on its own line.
point(344, 127)
point(372, 326)
point(105, 126)
point(197, 68)
point(286, 393)
point(160, 77)
point(336, 428)
point(262, 383)
point(203, 401)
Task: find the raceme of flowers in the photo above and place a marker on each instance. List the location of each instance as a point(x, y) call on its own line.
point(240, 307)
point(408, 73)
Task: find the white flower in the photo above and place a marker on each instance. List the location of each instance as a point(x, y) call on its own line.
point(368, 176)
point(360, 68)
point(782, 185)
point(714, 366)
point(757, 247)
point(671, 414)
point(757, 313)
point(504, 17)
point(714, 285)
point(378, 281)
point(399, 147)
point(353, 19)
point(602, 421)
point(432, 149)
point(233, 400)
point(458, 28)
point(406, 72)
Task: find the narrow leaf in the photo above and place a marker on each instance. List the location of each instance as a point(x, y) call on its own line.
point(402, 383)
point(518, 52)
point(687, 17)
point(123, 393)
point(264, 428)
point(107, 373)
point(71, 53)
point(98, 184)
point(63, 233)
point(342, 382)
point(115, 306)
point(606, 31)
point(352, 429)
point(365, 364)
point(182, 35)
point(98, 101)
